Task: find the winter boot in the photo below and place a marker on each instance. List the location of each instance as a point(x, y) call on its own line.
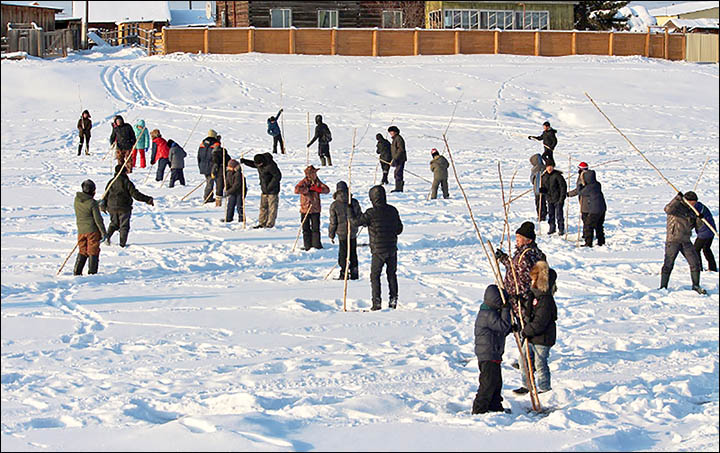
point(218, 202)
point(87, 150)
point(521, 391)
point(329, 160)
point(354, 274)
point(393, 303)
point(79, 264)
point(316, 240)
point(398, 186)
point(79, 148)
point(93, 264)
point(664, 280)
point(307, 242)
point(376, 305)
point(341, 276)
point(695, 276)
point(322, 161)
point(385, 178)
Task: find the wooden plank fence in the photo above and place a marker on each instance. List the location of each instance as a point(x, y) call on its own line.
point(382, 42)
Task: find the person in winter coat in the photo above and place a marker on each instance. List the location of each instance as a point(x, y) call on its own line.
point(270, 177)
point(592, 208)
point(220, 158)
point(91, 228)
point(84, 125)
point(439, 167)
point(539, 331)
point(681, 220)
point(118, 202)
point(399, 157)
point(339, 220)
point(492, 325)
point(160, 154)
point(554, 188)
point(384, 226)
point(310, 189)
point(236, 191)
point(177, 163)
point(538, 170)
point(549, 141)
point(705, 236)
point(274, 130)
point(142, 144)
point(526, 255)
point(323, 137)
point(205, 163)
point(383, 149)
point(123, 137)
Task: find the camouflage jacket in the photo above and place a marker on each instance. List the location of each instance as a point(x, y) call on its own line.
point(523, 260)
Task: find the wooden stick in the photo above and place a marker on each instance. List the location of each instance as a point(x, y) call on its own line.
point(242, 175)
point(282, 119)
point(307, 153)
point(113, 147)
point(510, 201)
point(148, 173)
point(68, 257)
point(606, 162)
point(330, 271)
point(166, 176)
point(196, 188)
point(414, 174)
point(347, 258)
point(300, 229)
point(567, 201)
point(193, 130)
point(701, 173)
point(208, 196)
point(653, 166)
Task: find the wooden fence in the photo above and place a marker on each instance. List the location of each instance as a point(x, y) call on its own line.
point(381, 42)
point(39, 43)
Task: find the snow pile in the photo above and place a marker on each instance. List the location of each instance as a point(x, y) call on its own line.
point(638, 18)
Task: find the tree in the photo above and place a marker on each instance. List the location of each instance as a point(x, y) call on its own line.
point(599, 15)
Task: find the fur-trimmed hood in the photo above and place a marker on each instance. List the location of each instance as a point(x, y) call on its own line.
point(543, 279)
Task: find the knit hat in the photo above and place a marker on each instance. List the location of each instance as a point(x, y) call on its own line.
point(527, 229)
point(691, 196)
point(212, 133)
point(434, 152)
point(88, 187)
point(233, 163)
point(394, 129)
point(583, 166)
point(546, 123)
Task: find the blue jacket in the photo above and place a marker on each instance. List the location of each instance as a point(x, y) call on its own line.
point(143, 141)
point(492, 325)
point(272, 126)
point(703, 232)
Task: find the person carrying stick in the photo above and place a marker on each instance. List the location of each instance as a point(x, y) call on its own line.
point(681, 220)
point(118, 201)
point(123, 138)
point(270, 176)
point(339, 217)
point(310, 188)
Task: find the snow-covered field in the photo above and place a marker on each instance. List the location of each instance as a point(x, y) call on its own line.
point(202, 335)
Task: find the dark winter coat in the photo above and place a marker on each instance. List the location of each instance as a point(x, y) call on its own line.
point(492, 325)
point(383, 149)
point(322, 133)
point(87, 215)
point(235, 181)
point(123, 135)
point(219, 163)
point(204, 156)
point(272, 126)
point(84, 126)
point(549, 143)
point(160, 150)
point(703, 232)
point(540, 312)
point(578, 185)
point(338, 214)
point(554, 187)
point(177, 155)
point(523, 260)
point(268, 172)
point(680, 221)
point(397, 149)
point(439, 167)
point(120, 196)
point(592, 200)
point(383, 223)
point(536, 173)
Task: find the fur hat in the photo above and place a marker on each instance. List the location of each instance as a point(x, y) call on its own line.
point(394, 129)
point(540, 275)
point(155, 133)
point(310, 170)
point(691, 196)
point(88, 187)
point(212, 133)
point(233, 163)
point(88, 113)
point(527, 230)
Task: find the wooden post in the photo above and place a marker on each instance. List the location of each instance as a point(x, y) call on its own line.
point(497, 39)
point(416, 43)
point(537, 43)
point(333, 41)
point(666, 53)
point(611, 35)
point(251, 40)
point(164, 35)
point(457, 42)
point(375, 42)
point(573, 43)
point(206, 40)
point(291, 49)
point(684, 47)
point(647, 43)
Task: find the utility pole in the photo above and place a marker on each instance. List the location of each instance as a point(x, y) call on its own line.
point(84, 28)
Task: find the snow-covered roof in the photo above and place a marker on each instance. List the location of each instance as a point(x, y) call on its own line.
point(691, 24)
point(120, 12)
point(189, 18)
point(683, 8)
point(31, 5)
point(638, 18)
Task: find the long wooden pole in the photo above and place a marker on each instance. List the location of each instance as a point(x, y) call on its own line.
point(701, 173)
point(408, 171)
point(567, 201)
point(511, 200)
point(300, 229)
point(349, 207)
point(651, 164)
point(191, 192)
point(307, 150)
point(282, 119)
point(242, 175)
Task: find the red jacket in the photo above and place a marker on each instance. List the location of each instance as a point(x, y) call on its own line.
point(160, 150)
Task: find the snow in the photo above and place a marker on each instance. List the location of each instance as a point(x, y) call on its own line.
point(695, 23)
point(121, 11)
point(204, 336)
point(639, 20)
point(683, 8)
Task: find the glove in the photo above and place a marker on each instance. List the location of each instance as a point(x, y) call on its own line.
point(499, 254)
point(543, 190)
point(315, 188)
point(514, 327)
point(281, 110)
point(332, 240)
point(151, 202)
point(530, 137)
point(307, 146)
point(680, 195)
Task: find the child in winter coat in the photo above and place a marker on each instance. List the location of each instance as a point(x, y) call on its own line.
point(84, 125)
point(236, 191)
point(492, 325)
point(91, 228)
point(143, 143)
point(592, 208)
point(310, 189)
point(339, 220)
point(705, 236)
point(274, 130)
point(160, 154)
point(118, 201)
point(439, 167)
point(385, 155)
point(539, 331)
point(177, 163)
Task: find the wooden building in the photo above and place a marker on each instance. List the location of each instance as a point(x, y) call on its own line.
point(321, 14)
point(17, 13)
point(469, 15)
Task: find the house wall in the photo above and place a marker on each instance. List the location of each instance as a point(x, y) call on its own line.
point(43, 17)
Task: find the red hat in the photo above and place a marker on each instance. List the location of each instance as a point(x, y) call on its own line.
point(583, 166)
point(434, 151)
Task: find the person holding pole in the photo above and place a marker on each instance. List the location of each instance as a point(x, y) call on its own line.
point(399, 157)
point(274, 130)
point(554, 188)
point(205, 163)
point(339, 225)
point(536, 173)
point(220, 158)
point(323, 137)
point(118, 201)
point(123, 137)
point(235, 191)
point(681, 220)
point(84, 126)
point(91, 229)
point(310, 188)
point(143, 143)
point(705, 236)
point(383, 149)
point(270, 177)
point(384, 226)
point(439, 167)
point(527, 253)
point(549, 140)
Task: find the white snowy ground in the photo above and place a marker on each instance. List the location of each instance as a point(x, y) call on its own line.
point(202, 335)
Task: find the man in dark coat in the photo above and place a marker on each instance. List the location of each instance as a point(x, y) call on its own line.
point(383, 149)
point(91, 229)
point(592, 208)
point(84, 126)
point(705, 236)
point(554, 189)
point(274, 130)
point(205, 163)
point(540, 314)
point(536, 174)
point(123, 137)
point(118, 202)
point(399, 157)
point(384, 226)
point(492, 325)
point(270, 177)
point(339, 220)
point(220, 158)
point(681, 220)
point(236, 191)
point(323, 137)
point(549, 141)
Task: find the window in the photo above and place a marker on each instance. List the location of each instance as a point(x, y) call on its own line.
point(280, 18)
point(462, 18)
point(327, 18)
point(392, 19)
point(533, 20)
point(491, 20)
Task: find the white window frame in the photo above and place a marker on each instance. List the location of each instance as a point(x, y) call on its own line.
point(394, 12)
point(483, 19)
point(471, 17)
point(334, 18)
point(282, 11)
point(529, 16)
